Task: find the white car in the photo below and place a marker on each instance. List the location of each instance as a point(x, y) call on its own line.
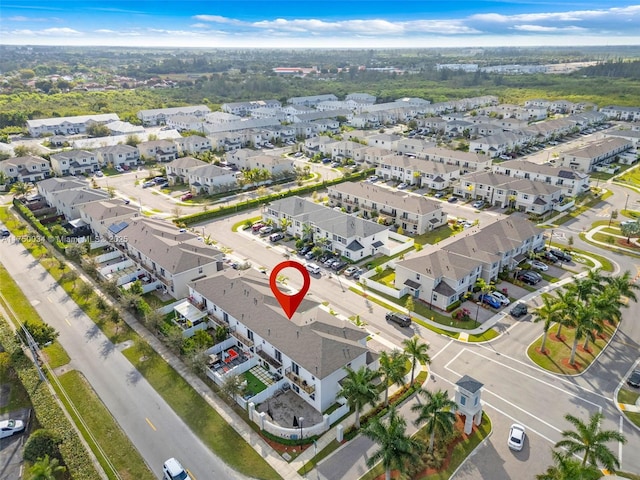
point(313, 268)
point(402, 186)
point(9, 427)
point(119, 169)
point(516, 437)
point(501, 297)
point(478, 204)
point(539, 265)
point(172, 470)
point(350, 271)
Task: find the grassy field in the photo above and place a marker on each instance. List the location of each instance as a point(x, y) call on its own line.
point(121, 453)
point(435, 236)
point(556, 359)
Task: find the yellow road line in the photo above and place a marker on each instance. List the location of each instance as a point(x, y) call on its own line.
point(68, 322)
point(151, 424)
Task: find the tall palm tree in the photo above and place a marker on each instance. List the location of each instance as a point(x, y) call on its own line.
point(569, 468)
point(417, 352)
point(585, 321)
point(567, 300)
point(358, 389)
point(46, 468)
point(590, 440)
point(437, 413)
point(307, 232)
point(587, 287)
point(624, 285)
point(21, 189)
point(550, 312)
point(392, 368)
point(397, 449)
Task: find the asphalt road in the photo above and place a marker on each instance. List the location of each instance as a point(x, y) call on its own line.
point(153, 427)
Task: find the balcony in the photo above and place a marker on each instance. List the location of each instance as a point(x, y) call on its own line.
point(218, 321)
point(299, 382)
point(198, 305)
point(242, 338)
point(268, 358)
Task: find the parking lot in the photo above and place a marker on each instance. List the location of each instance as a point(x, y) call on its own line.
point(11, 447)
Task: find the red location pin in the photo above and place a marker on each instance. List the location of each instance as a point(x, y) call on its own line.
point(290, 303)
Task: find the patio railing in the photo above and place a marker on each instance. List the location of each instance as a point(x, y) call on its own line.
point(299, 381)
point(242, 338)
point(268, 358)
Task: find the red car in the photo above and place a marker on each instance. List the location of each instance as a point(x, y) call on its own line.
point(186, 196)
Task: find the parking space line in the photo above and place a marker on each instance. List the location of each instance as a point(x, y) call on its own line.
point(68, 322)
point(433, 357)
point(151, 424)
point(539, 370)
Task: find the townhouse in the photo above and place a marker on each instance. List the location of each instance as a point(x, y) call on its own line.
point(46, 188)
point(415, 214)
point(176, 258)
point(419, 172)
point(178, 170)
point(615, 112)
point(501, 190)
point(193, 144)
point(348, 149)
point(312, 100)
point(361, 98)
point(571, 182)
point(212, 179)
point(159, 116)
point(159, 150)
point(101, 214)
point(443, 276)
point(28, 169)
point(184, 123)
point(309, 352)
point(245, 108)
point(221, 118)
point(631, 135)
point(74, 162)
point(594, 154)
point(496, 145)
point(466, 161)
point(124, 128)
point(69, 202)
point(351, 237)
point(272, 164)
point(67, 125)
point(118, 155)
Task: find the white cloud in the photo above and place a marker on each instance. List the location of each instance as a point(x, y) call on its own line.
point(540, 28)
point(65, 31)
point(219, 19)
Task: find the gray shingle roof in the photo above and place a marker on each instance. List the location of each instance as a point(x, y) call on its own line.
point(313, 338)
point(469, 384)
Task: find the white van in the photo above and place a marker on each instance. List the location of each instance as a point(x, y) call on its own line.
point(172, 470)
point(274, 237)
point(313, 268)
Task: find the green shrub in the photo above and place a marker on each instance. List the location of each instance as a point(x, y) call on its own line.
point(40, 443)
point(454, 305)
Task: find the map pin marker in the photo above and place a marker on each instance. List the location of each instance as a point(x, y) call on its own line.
point(289, 303)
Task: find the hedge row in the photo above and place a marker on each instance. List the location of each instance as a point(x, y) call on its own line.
point(256, 202)
point(35, 223)
point(47, 409)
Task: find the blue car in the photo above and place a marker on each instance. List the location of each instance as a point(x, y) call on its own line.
point(490, 300)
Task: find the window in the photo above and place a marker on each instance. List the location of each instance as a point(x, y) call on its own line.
point(249, 334)
point(463, 400)
point(295, 368)
point(278, 355)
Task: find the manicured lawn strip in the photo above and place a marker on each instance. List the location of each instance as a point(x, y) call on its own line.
point(254, 384)
point(607, 266)
point(216, 433)
point(634, 417)
point(632, 476)
point(118, 448)
point(395, 308)
point(580, 209)
point(460, 452)
point(557, 358)
point(322, 454)
point(605, 247)
point(240, 225)
point(627, 396)
point(603, 237)
point(436, 235)
point(18, 396)
point(484, 337)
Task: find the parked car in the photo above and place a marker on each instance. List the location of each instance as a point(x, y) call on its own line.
point(186, 196)
point(266, 230)
point(504, 300)
point(148, 184)
point(538, 265)
point(4, 232)
point(516, 437)
point(274, 237)
point(519, 310)
point(309, 255)
point(560, 255)
point(255, 228)
point(304, 250)
point(350, 271)
point(339, 265)
point(172, 470)
point(634, 379)
point(99, 173)
point(356, 276)
point(119, 169)
point(527, 278)
point(478, 204)
point(313, 268)
point(399, 318)
point(372, 178)
point(549, 256)
point(490, 300)
point(160, 180)
point(439, 195)
point(10, 427)
point(402, 186)
point(452, 199)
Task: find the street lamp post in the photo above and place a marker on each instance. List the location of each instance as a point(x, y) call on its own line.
point(477, 311)
point(550, 237)
point(300, 420)
point(626, 202)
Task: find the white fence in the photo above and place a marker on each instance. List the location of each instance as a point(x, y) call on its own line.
point(116, 267)
point(105, 257)
point(294, 433)
point(564, 207)
point(380, 287)
point(397, 243)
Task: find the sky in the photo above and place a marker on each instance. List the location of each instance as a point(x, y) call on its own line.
point(319, 24)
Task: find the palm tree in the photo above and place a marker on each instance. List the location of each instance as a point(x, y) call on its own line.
point(585, 321)
point(359, 389)
point(624, 285)
point(307, 232)
point(567, 301)
point(397, 449)
point(417, 351)
point(46, 468)
point(284, 224)
point(585, 288)
point(590, 440)
point(550, 312)
point(568, 468)
point(392, 370)
point(437, 413)
point(21, 189)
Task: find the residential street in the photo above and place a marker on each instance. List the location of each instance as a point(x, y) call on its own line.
point(153, 427)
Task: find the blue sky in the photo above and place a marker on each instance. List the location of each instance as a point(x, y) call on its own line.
point(320, 24)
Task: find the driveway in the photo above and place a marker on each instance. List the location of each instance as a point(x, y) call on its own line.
point(11, 448)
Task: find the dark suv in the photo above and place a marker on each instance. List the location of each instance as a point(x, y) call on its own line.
point(399, 318)
point(528, 277)
point(519, 310)
point(560, 255)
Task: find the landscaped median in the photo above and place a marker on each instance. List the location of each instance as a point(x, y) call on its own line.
point(628, 398)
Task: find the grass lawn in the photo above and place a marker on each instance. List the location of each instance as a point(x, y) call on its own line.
point(605, 247)
point(18, 396)
point(117, 447)
point(240, 225)
point(386, 277)
point(484, 337)
point(459, 454)
point(254, 385)
point(556, 359)
point(580, 209)
point(198, 415)
point(436, 235)
point(628, 396)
